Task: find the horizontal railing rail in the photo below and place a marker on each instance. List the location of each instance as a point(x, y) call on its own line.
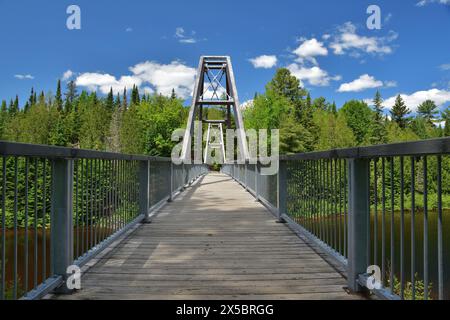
point(385, 207)
point(61, 206)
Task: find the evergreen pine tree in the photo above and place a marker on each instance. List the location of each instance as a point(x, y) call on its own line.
point(378, 134)
point(71, 95)
point(135, 99)
point(14, 106)
point(446, 117)
point(124, 99)
point(58, 97)
point(173, 95)
point(32, 99)
point(117, 102)
point(428, 110)
point(109, 103)
point(399, 112)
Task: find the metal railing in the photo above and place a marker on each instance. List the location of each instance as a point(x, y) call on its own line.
point(383, 206)
point(62, 206)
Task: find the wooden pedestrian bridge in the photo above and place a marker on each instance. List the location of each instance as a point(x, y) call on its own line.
point(142, 227)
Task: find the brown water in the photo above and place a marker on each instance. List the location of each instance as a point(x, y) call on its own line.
point(38, 270)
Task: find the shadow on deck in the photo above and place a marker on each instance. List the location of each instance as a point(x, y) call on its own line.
point(213, 242)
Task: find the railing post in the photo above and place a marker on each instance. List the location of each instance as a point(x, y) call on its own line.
point(62, 220)
point(144, 189)
point(171, 182)
point(282, 190)
point(358, 215)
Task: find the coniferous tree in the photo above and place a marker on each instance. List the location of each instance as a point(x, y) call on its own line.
point(117, 102)
point(32, 99)
point(71, 95)
point(135, 99)
point(3, 118)
point(446, 117)
point(58, 97)
point(378, 134)
point(428, 110)
point(109, 103)
point(124, 99)
point(400, 112)
point(173, 94)
point(14, 106)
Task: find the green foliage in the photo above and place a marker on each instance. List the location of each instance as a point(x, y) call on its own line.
point(445, 117)
point(378, 134)
point(428, 110)
point(333, 131)
point(400, 112)
point(358, 116)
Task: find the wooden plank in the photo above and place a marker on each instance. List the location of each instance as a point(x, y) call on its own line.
point(213, 242)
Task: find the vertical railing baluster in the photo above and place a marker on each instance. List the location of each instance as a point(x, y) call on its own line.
point(26, 228)
point(425, 227)
point(439, 230)
point(392, 255)
point(3, 253)
point(15, 244)
point(402, 229)
point(413, 228)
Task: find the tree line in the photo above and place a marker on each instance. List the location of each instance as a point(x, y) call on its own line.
point(138, 124)
point(308, 124)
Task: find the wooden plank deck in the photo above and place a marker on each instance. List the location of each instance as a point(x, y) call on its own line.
point(213, 242)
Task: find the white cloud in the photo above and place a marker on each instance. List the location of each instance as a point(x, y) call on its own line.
point(348, 41)
point(314, 75)
point(152, 76)
point(247, 104)
point(24, 76)
point(440, 97)
point(362, 83)
point(425, 2)
point(264, 61)
point(67, 75)
point(129, 29)
point(390, 84)
point(311, 48)
point(182, 37)
point(445, 66)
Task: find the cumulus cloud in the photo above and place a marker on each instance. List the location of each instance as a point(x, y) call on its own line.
point(129, 29)
point(24, 76)
point(440, 97)
point(264, 61)
point(309, 49)
point(314, 75)
point(67, 75)
point(364, 82)
point(348, 41)
point(247, 104)
point(150, 76)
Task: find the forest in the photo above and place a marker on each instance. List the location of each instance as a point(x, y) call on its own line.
point(143, 124)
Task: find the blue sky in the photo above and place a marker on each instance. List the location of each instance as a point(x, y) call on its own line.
point(157, 44)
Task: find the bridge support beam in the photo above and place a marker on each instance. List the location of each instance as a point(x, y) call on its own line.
point(62, 220)
point(358, 221)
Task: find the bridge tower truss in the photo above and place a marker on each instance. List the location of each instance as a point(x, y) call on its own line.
point(215, 86)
